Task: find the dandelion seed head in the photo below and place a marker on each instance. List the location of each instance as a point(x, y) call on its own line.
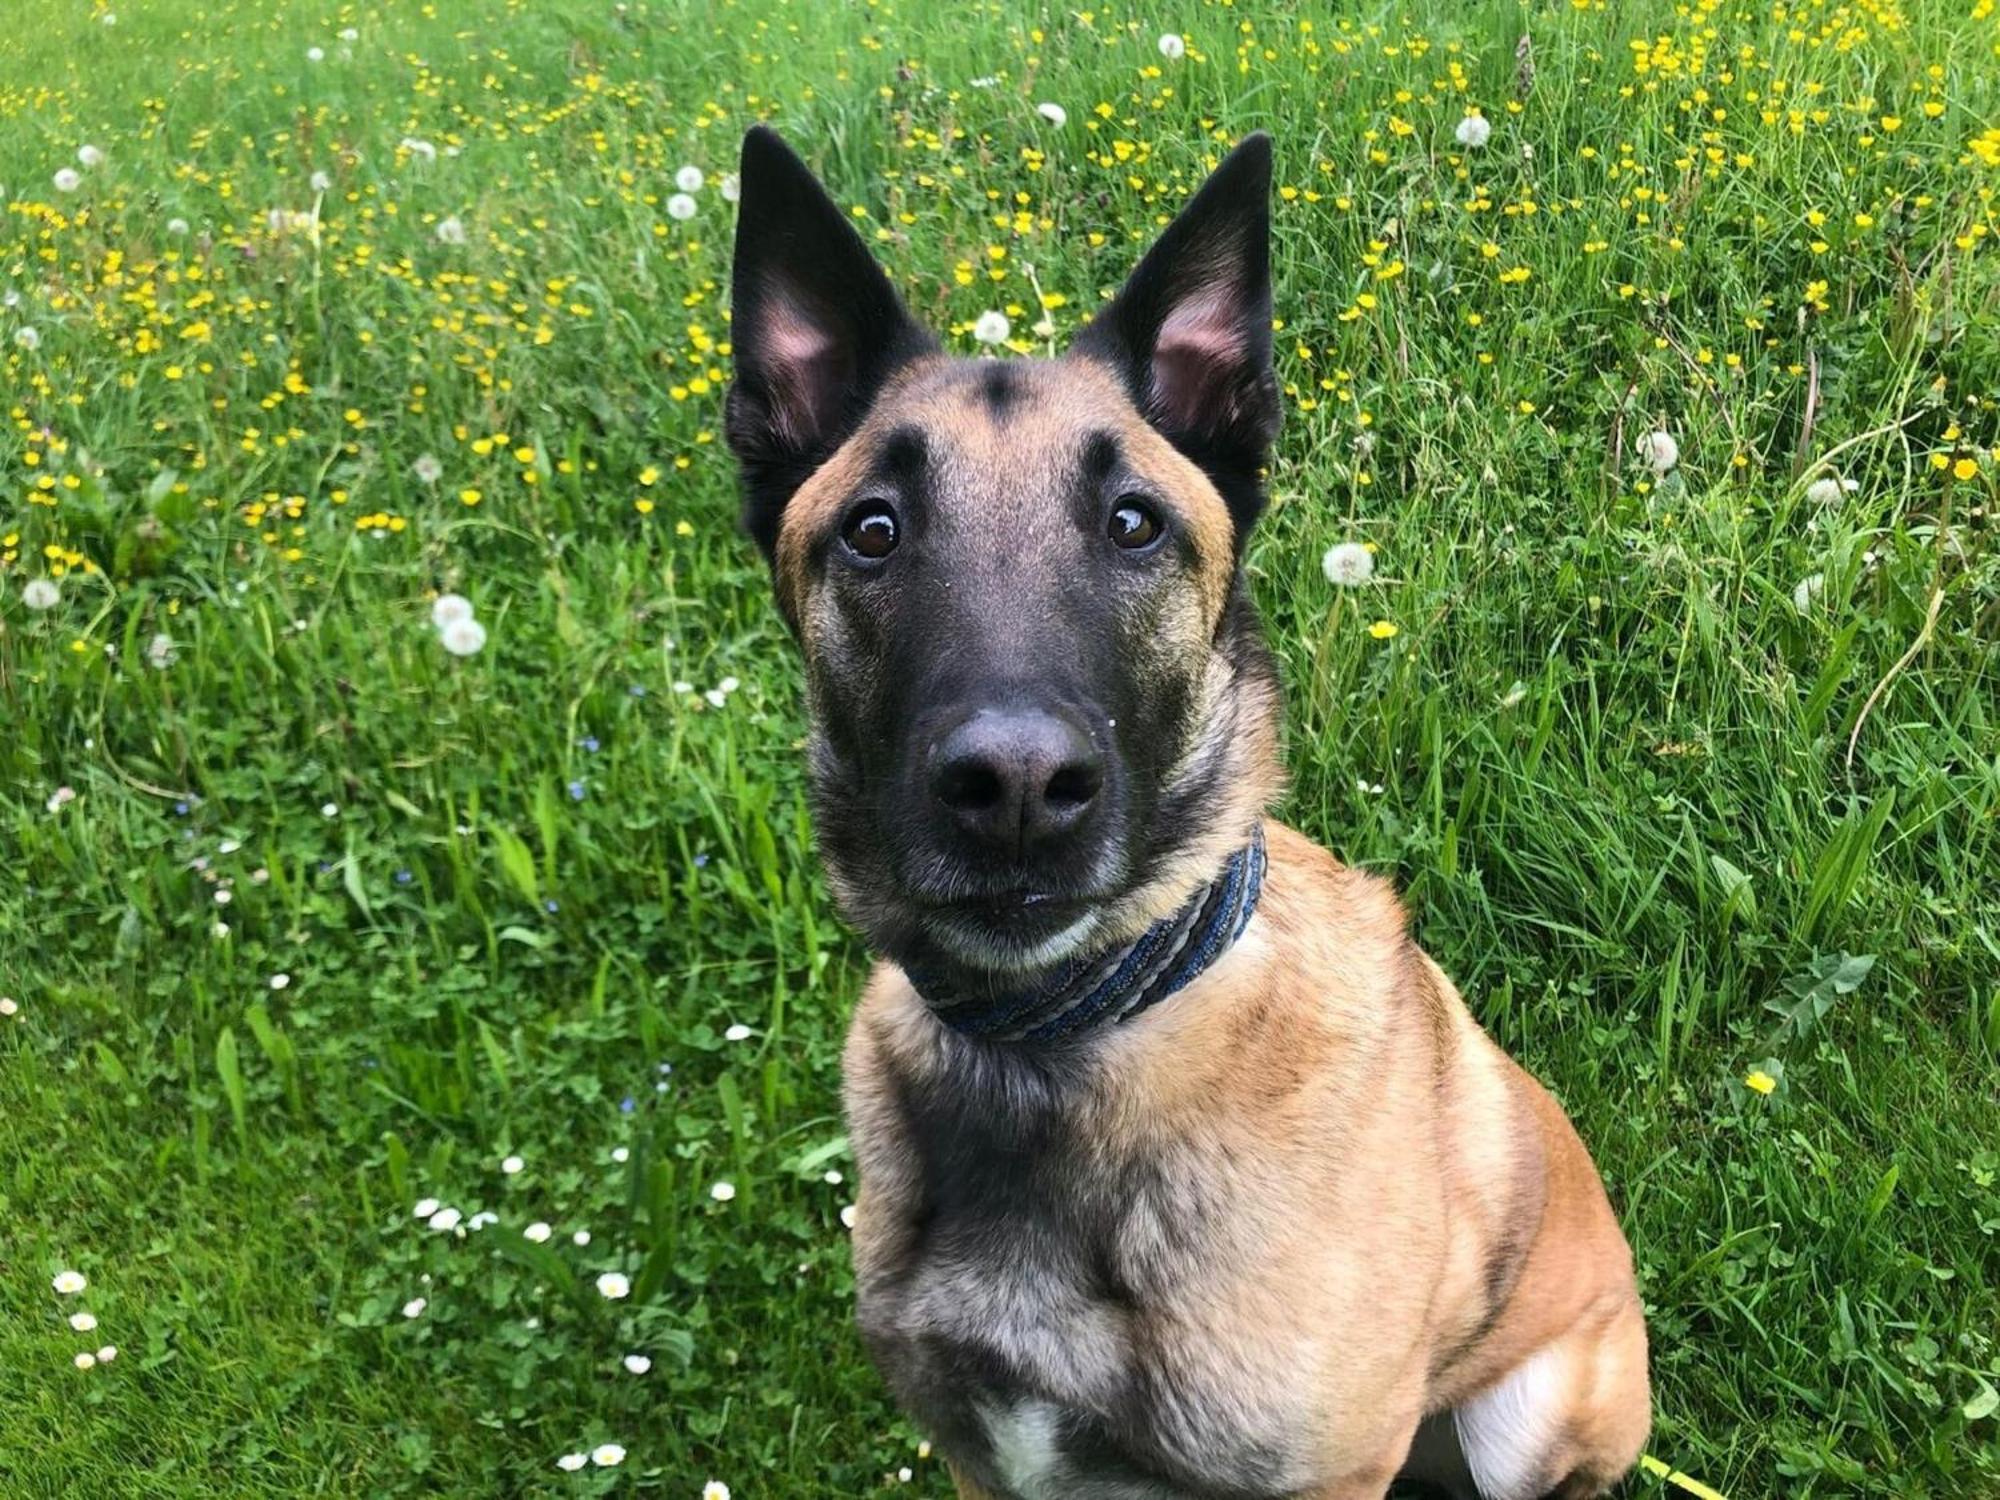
point(688, 179)
point(1173, 46)
point(1348, 564)
point(681, 206)
point(1473, 132)
point(465, 637)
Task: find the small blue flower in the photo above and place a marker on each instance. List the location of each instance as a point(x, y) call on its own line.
point(701, 861)
point(626, 1105)
point(181, 808)
point(404, 877)
point(576, 791)
point(590, 743)
point(636, 690)
point(550, 906)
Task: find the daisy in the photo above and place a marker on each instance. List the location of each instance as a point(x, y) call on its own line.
point(82, 1322)
point(613, 1285)
point(9, 1006)
point(108, 1353)
point(85, 1360)
point(465, 637)
point(680, 206)
point(569, 1463)
point(69, 1283)
point(688, 179)
point(315, 54)
point(1348, 564)
point(992, 327)
point(68, 180)
point(607, 1455)
point(1659, 451)
point(1172, 46)
point(715, 1489)
point(1055, 114)
point(1473, 132)
point(450, 608)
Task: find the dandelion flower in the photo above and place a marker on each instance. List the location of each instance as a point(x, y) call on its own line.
point(715, 1489)
point(28, 337)
point(607, 1455)
point(465, 637)
point(537, 1233)
point(688, 179)
point(722, 1192)
point(83, 1322)
point(613, 1285)
point(86, 1360)
point(1806, 591)
point(1055, 114)
point(68, 180)
point(681, 206)
point(451, 231)
point(992, 327)
point(731, 187)
point(1348, 564)
point(41, 593)
point(90, 156)
point(569, 1463)
point(1759, 1081)
point(1473, 132)
point(414, 1308)
point(449, 609)
point(69, 1283)
point(1173, 47)
point(1659, 451)
point(638, 1364)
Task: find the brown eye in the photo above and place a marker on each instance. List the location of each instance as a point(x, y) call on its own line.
point(1135, 526)
point(870, 530)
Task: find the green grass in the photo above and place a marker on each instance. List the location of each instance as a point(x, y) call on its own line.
point(1664, 826)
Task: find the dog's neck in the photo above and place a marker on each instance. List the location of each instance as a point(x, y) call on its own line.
point(1094, 990)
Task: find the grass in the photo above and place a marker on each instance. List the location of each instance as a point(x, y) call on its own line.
point(1673, 814)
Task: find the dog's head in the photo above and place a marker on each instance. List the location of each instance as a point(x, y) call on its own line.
point(1041, 712)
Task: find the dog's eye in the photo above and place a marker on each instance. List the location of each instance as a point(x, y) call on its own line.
point(1135, 525)
point(869, 531)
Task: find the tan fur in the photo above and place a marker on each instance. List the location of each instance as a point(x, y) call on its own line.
point(1373, 1154)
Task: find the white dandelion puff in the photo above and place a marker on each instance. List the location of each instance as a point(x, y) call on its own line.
point(681, 206)
point(1054, 113)
point(1348, 564)
point(465, 637)
point(849, 1215)
point(580, 1238)
point(321, 181)
point(1173, 46)
point(688, 179)
point(90, 156)
point(731, 187)
point(160, 652)
point(451, 231)
point(448, 609)
point(992, 327)
point(68, 180)
point(1473, 132)
point(28, 337)
point(315, 54)
point(41, 593)
point(427, 468)
point(177, 225)
point(1659, 451)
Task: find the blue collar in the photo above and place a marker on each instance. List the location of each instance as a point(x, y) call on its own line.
point(1095, 990)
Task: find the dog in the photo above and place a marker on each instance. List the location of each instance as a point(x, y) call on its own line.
point(1185, 1174)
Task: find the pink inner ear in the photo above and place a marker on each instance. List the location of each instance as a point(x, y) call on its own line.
point(799, 354)
point(1199, 344)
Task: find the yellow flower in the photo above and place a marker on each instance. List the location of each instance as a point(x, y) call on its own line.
point(1758, 1081)
point(649, 475)
point(643, 506)
point(1965, 468)
point(1382, 630)
point(470, 495)
point(683, 528)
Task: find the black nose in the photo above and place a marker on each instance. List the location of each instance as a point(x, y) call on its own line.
point(1016, 778)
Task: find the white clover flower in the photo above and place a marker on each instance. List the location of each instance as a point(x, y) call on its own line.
point(1173, 46)
point(832, 1177)
point(1473, 132)
point(729, 685)
point(1055, 114)
point(849, 1214)
point(1659, 451)
point(90, 156)
point(160, 652)
point(613, 1285)
point(329, 809)
point(280, 981)
point(580, 1238)
point(716, 697)
point(569, 1463)
point(607, 1455)
point(451, 231)
point(85, 1360)
point(28, 337)
point(731, 187)
point(904, 1475)
point(445, 1220)
point(537, 1233)
point(177, 226)
point(321, 181)
point(83, 1322)
point(425, 1208)
point(41, 593)
point(68, 180)
point(638, 1364)
point(715, 1489)
point(481, 1219)
point(737, 1033)
point(688, 179)
point(512, 1164)
point(465, 637)
point(681, 206)
point(621, 1154)
point(1807, 591)
point(69, 1283)
point(414, 1308)
point(992, 327)
point(108, 1353)
point(1348, 564)
point(722, 1192)
point(447, 609)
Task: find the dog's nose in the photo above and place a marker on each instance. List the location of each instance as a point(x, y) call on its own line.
point(1016, 778)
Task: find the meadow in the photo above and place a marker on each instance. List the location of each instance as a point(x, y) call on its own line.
point(418, 1040)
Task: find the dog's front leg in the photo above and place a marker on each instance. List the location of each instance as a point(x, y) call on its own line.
point(967, 1490)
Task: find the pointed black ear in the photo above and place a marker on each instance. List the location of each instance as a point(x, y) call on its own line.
point(1190, 334)
point(816, 328)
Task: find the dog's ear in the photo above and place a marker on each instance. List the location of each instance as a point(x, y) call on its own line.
point(816, 327)
point(1190, 333)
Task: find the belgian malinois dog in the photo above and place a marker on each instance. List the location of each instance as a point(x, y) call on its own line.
point(1185, 1173)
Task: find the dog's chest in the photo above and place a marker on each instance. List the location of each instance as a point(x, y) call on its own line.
point(1061, 1324)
